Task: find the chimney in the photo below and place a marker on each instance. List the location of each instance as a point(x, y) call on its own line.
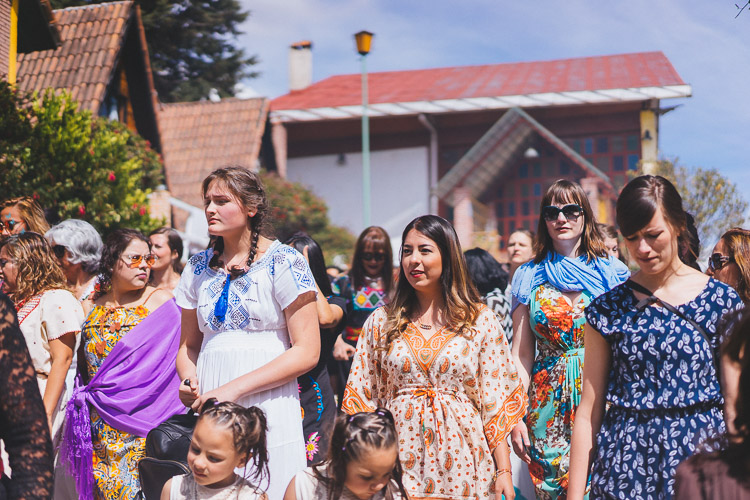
point(300, 65)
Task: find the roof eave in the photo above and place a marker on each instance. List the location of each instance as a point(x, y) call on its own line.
point(37, 27)
point(546, 99)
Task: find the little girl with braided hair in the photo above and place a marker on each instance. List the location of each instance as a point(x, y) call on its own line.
point(362, 462)
point(227, 437)
point(249, 321)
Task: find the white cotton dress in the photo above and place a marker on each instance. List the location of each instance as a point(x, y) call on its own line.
point(253, 333)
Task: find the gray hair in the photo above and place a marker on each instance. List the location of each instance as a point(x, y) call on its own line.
point(81, 240)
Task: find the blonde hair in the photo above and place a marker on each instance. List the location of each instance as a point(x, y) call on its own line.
point(462, 302)
point(31, 213)
point(38, 270)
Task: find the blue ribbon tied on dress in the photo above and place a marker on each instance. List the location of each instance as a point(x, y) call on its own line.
point(220, 309)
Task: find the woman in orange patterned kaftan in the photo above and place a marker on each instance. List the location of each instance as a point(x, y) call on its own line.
point(437, 358)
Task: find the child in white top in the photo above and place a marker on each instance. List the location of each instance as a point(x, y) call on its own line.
point(227, 437)
point(362, 463)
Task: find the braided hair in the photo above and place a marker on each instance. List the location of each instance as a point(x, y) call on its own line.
point(353, 436)
point(249, 428)
point(248, 189)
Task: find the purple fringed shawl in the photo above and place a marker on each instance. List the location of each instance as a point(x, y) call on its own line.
point(134, 390)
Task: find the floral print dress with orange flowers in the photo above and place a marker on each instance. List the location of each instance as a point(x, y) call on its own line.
point(116, 453)
point(555, 386)
point(453, 399)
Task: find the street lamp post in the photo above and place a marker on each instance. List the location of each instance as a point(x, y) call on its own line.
point(364, 39)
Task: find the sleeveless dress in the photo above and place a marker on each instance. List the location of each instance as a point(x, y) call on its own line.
point(308, 487)
point(663, 392)
point(555, 385)
point(185, 488)
point(253, 333)
point(116, 453)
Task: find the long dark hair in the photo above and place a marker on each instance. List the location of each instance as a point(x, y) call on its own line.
point(486, 272)
point(381, 242)
point(116, 243)
point(353, 436)
point(462, 303)
point(174, 242)
point(638, 203)
point(248, 189)
point(249, 428)
point(592, 243)
point(299, 241)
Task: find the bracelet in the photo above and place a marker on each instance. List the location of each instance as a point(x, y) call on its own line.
point(499, 473)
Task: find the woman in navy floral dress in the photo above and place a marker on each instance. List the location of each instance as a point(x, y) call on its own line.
point(651, 362)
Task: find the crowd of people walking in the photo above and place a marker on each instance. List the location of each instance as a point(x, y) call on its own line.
point(440, 375)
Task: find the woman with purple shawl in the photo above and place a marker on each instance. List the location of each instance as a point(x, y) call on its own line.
point(130, 342)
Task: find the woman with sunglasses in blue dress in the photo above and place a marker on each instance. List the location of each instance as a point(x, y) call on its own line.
point(571, 266)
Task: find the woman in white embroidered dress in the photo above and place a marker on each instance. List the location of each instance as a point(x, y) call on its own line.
point(437, 358)
point(249, 323)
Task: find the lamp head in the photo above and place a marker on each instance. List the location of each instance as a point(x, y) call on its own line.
point(364, 39)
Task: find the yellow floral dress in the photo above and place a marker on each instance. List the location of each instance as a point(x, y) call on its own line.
point(116, 453)
point(453, 398)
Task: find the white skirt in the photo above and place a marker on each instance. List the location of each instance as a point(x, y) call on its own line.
point(228, 355)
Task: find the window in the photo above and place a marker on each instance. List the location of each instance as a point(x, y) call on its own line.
point(602, 163)
point(537, 189)
point(524, 190)
point(536, 206)
point(501, 230)
point(618, 163)
point(577, 146)
point(588, 146)
point(499, 212)
point(564, 168)
point(617, 144)
point(527, 225)
point(523, 172)
point(537, 170)
point(633, 162)
point(511, 226)
point(499, 192)
point(632, 143)
point(602, 145)
point(511, 209)
point(525, 210)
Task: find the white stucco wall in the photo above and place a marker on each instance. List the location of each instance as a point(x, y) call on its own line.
point(399, 187)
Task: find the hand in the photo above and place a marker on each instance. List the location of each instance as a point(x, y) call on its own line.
point(221, 394)
point(504, 486)
point(188, 394)
point(519, 437)
point(342, 350)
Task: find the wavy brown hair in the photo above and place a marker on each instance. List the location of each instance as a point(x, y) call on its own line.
point(462, 302)
point(592, 243)
point(247, 188)
point(38, 269)
point(31, 213)
point(737, 241)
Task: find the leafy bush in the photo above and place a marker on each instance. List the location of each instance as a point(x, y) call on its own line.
point(75, 164)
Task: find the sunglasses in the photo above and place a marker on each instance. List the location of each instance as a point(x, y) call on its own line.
point(9, 224)
point(135, 260)
point(377, 257)
point(59, 251)
point(717, 261)
point(571, 212)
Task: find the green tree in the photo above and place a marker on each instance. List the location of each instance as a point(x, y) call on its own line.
point(80, 166)
point(711, 198)
point(295, 208)
point(191, 44)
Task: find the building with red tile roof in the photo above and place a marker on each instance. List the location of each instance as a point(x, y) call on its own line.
point(102, 60)
point(477, 144)
point(198, 137)
point(25, 27)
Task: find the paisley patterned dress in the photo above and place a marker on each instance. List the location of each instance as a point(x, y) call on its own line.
point(116, 453)
point(453, 399)
point(663, 389)
point(555, 385)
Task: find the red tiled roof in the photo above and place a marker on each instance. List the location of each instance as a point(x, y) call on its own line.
point(84, 63)
point(198, 137)
point(638, 70)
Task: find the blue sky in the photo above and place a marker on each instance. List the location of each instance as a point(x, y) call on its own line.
point(708, 47)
